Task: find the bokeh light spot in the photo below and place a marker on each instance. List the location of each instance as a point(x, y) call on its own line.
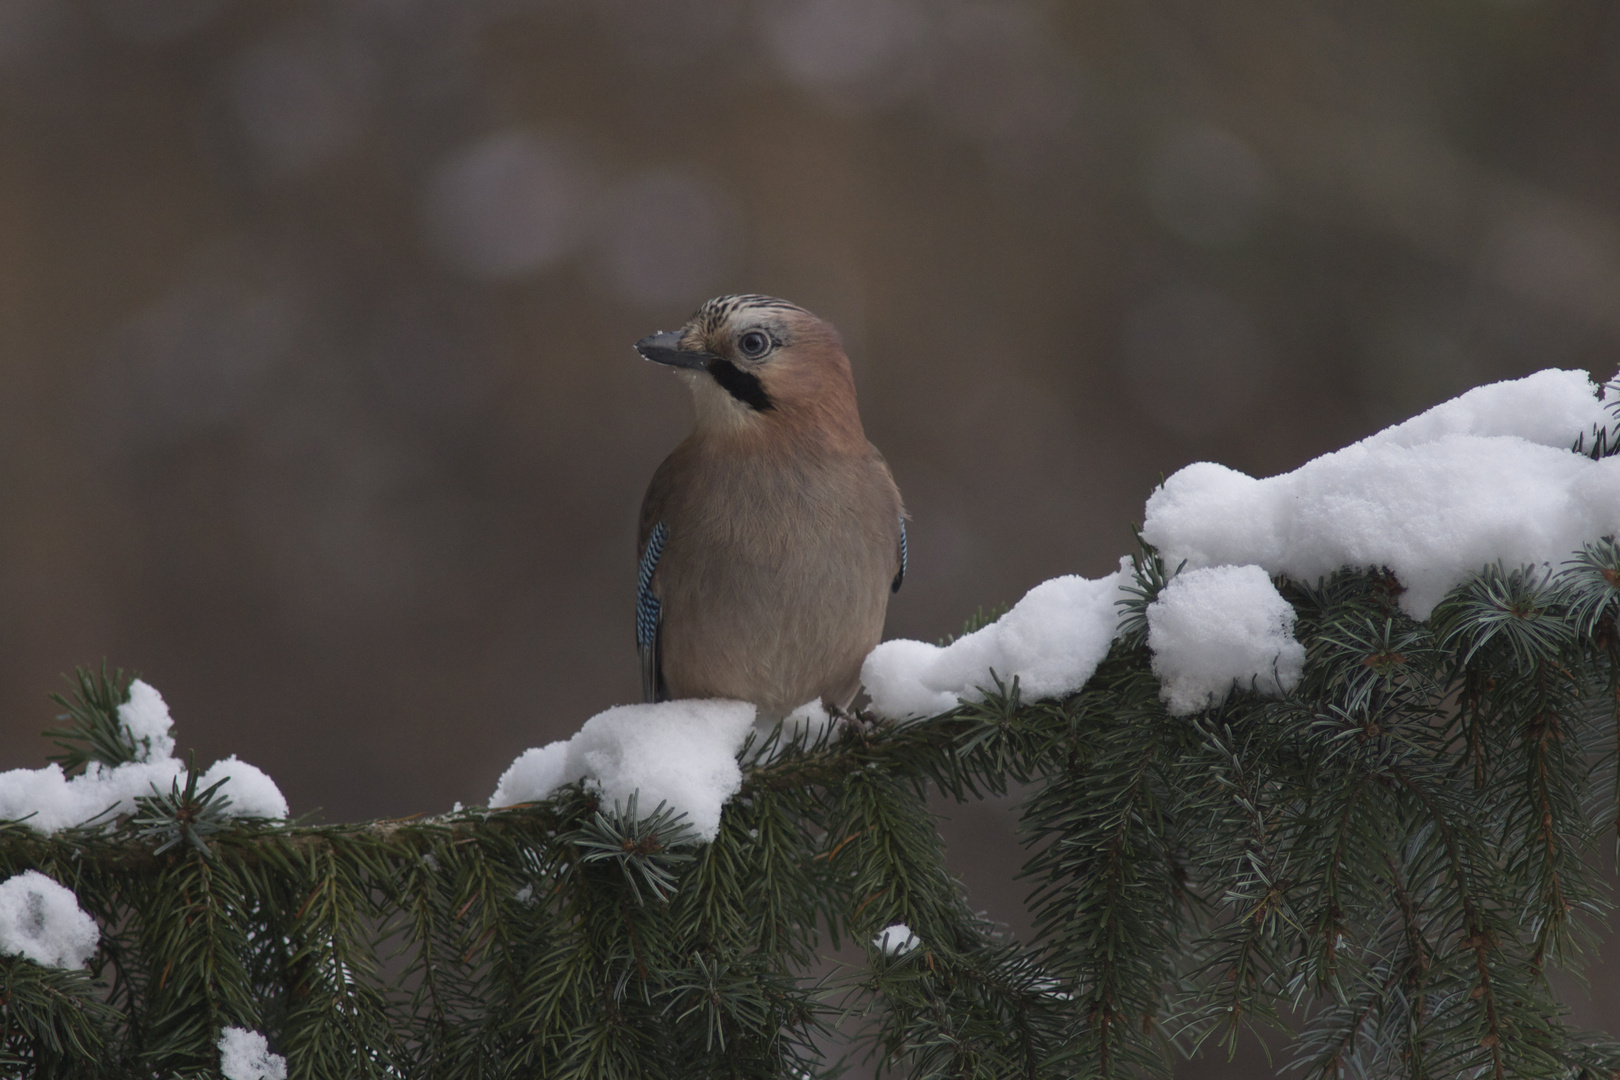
point(511, 204)
point(201, 357)
point(302, 100)
point(670, 235)
point(846, 48)
point(1207, 186)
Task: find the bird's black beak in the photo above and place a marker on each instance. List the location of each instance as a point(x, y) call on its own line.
point(665, 348)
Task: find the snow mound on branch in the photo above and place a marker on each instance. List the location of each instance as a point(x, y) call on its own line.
point(1213, 627)
point(48, 801)
point(245, 1055)
point(51, 801)
point(146, 717)
point(1549, 408)
point(533, 775)
point(1051, 641)
point(812, 720)
point(683, 753)
point(252, 792)
point(896, 940)
point(41, 920)
point(1487, 476)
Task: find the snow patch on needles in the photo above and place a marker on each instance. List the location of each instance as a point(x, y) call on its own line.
point(1549, 408)
point(1487, 476)
point(146, 717)
point(1051, 641)
point(811, 720)
point(252, 792)
point(533, 775)
point(683, 753)
point(50, 801)
point(41, 920)
point(245, 1055)
point(896, 940)
point(1212, 628)
point(47, 801)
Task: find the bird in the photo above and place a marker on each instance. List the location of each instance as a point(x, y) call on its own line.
point(771, 539)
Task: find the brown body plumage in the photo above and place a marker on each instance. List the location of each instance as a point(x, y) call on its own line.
point(783, 525)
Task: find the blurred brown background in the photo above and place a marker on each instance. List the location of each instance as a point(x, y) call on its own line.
point(318, 401)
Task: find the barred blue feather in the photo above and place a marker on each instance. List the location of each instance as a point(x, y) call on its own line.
point(647, 614)
point(646, 603)
point(901, 576)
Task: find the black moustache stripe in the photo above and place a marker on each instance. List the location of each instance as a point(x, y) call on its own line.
point(741, 385)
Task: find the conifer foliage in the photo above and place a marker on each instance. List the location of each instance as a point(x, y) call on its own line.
point(1379, 867)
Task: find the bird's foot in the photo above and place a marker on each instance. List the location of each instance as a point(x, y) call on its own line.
point(844, 716)
point(857, 721)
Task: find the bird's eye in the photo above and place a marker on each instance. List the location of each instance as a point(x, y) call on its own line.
point(754, 344)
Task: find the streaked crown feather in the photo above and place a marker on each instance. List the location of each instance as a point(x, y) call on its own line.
point(715, 313)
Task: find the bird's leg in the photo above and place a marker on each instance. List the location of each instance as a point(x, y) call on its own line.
point(843, 715)
point(856, 719)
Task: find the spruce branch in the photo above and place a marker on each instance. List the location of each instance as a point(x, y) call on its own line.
point(646, 850)
point(93, 732)
point(1390, 856)
point(183, 815)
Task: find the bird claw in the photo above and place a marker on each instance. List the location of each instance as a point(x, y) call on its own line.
point(856, 720)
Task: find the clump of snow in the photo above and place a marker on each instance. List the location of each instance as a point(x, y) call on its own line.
point(534, 775)
point(245, 1055)
point(50, 801)
point(146, 717)
point(811, 720)
point(805, 726)
point(1051, 641)
point(1487, 476)
point(1549, 408)
point(896, 940)
point(252, 792)
point(1210, 628)
point(41, 920)
point(683, 753)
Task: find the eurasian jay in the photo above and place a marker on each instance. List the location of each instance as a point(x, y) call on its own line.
point(772, 537)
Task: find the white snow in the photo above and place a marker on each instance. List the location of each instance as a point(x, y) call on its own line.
point(896, 940)
point(50, 801)
point(1052, 640)
point(534, 775)
point(146, 717)
point(1213, 627)
point(1486, 476)
point(252, 792)
point(245, 1055)
point(41, 920)
point(683, 753)
point(1549, 408)
point(811, 720)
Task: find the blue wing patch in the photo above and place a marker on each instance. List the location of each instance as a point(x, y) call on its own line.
point(647, 605)
point(901, 576)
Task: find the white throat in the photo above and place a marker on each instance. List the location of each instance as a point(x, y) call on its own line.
point(716, 409)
